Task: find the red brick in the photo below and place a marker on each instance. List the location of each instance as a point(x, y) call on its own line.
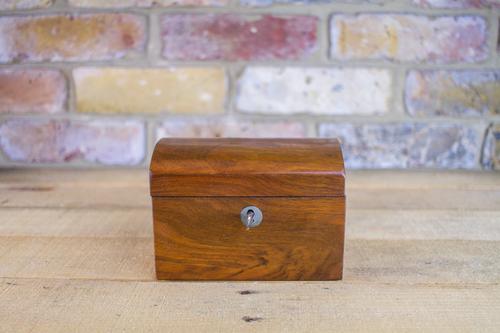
point(32, 90)
point(59, 141)
point(70, 37)
point(236, 37)
point(441, 39)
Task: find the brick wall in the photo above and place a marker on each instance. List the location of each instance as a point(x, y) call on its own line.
point(404, 84)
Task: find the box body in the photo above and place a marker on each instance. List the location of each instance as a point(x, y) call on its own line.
point(199, 188)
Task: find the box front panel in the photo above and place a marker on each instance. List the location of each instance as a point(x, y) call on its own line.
point(205, 239)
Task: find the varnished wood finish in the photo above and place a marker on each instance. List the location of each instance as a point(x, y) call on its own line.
point(199, 188)
point(204, 239)
point(247, 185)
point(247, 167)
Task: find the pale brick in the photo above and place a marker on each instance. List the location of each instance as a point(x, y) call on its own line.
point(146, 3)
point(24, 4)
point(70, 37)
point(332, 91)
point(219, 128)
point(32, 91)
point(457, 3)
point(491, 151)
point(60, 141)
point(453, 93)
point(443, 39)
point(407, 145)
point(172, 90)
point(237, 37)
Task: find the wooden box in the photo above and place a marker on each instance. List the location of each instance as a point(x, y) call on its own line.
point(248, 209)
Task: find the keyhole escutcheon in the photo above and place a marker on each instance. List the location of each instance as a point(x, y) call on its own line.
point(251, 217)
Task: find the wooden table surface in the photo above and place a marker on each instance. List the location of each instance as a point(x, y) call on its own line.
point(76, 254)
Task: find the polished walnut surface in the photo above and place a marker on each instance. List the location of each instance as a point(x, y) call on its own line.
point(247, 156)
point(247, 167)
point(204, 239)
point(199, 187)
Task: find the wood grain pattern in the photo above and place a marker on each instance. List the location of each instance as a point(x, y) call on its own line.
point(375, 261)
point(204, 239)
point(421, 255)
point(199, 188)
point(130, 196)
point(176, 156)
point(370, 224)
point(122, 188)
point(357, 179)
point(247, 167)
point(251, 185)
point(55, 305)
point(65, 222)
point(77, 257)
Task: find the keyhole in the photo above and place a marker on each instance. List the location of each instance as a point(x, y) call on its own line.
point(251, 216)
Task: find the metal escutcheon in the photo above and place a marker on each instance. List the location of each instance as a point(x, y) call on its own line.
point(251, 216)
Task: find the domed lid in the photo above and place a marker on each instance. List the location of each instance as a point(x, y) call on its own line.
point(247, 167)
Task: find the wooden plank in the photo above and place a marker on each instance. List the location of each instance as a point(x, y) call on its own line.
point(116, 306)
point(430, 261)
point(355, 179)
point(77, 257)
point(365, 190)
point(361, 224)
point(406, 269)
point(80, 188)
point(437, 261)
point(107, 196)
point(77, 232)
point(74, 176)
point(57, 222)
point(422, 179)
point(81, 196)
point(423, 199)
point(423, 224)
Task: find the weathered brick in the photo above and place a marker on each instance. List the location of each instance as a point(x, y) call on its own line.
point(453, 93)
point(70, 37)
point(59, 141)
point(306, 2)
point(229, 128)
point(24, 4)
point(236, 37)
point(175, 90)
point(32, 90)
point(146, 3)
point(491, 151)
point(407, 145)
point(443, 39)
point(457, 3)
point(315, 90)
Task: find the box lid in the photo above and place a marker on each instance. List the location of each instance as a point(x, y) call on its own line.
point(247, 167)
